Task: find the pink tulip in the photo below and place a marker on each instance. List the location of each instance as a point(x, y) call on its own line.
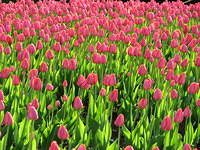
point(166, 124)
point(1, 95)
point(63, 133)
point(142, 103)
point(54, 146)
point(198, 102)
point(148, 83)
point(142, 70)
point(25, 64)
point(187, 147)
point(92, 78)
point(179, 116)
point(193, 88)
point(8, 119)
point(119, 121)
point(49, 54)
point(33, 73)
point(16, 80)
point(157, 95)
point(2, 106)
point(43, 67)
point(155, 148)
point(113, 95)
point(128, 148)
point(65, 83)
point(82, 82)
point(174, 94)
point(187, 112)
point(82, 147)
point(109, 80)
point(102, 92)
point(32, 113)
point(36, 84)
point(49, 87)
point(77, 103)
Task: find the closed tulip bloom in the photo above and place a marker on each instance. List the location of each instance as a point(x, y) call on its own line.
point(31, 48)
point(187, 147)
point(166, 124)
point(198, 102)
point(156, 148)
point(157, 95)
point(8, 119)
point(156, 53)
point(64, 98)
point(25, 64)
point(113, 95)
point(92, 78)
point(49, 54)
point(77, 103)
point(128, 148)
point(33, 73)
point(82, 82)
point(142, 70)
point(174, 94)
point(36, 84)
point(181, 78)
point(57, 103)
point(170, 75)
point(142, 103)
point(49, 87)
point(54, 146)
point(197, 61)
point(119, 121)
point(193, 88)
point(109, 80)
point(35, 103)
point(1, 95)
point(18, 46)
point(5, 73)
point(102, 92)
point(39, 45)
point(43, 67)
point(63, 133)
point(2, 106)
point(65, 83)
point(24, 54)
point(184, 63)
point(16, 80)
point(187, 112)
point(82, 147)
point(32, 113)
point(161, 63)
point(179, 116)
point(7, 50)
point(174, 43)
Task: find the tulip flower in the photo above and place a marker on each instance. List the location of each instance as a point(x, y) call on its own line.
point(63, 133)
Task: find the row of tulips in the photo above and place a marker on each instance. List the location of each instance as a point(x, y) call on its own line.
point(102, 75)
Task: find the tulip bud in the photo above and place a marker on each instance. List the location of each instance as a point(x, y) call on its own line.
point(49, 87)
point(157, 95)
point(92, 78)
point(198, 102)
point(142, 103)
point(119, 120)
point(32, 113)
point(179, 116)
point(54, 146)
point(102, 92)
point(109, 80)
point(8, 119)
point(193, 88)
point(142, 70)
point(63, 133)
point(82, 147)
point(65, 83)
point(16, 80)
point(43, 67)
point(128, 148)
point(166, 123)
point(2, 106)
point(187, 112)
point(113, 95)
point(36, 84)
point(25, 64)
point(174, 94)
point(77, 104)
point(187, 147)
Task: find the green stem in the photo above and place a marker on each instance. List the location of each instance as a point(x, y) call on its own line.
point(119, 134)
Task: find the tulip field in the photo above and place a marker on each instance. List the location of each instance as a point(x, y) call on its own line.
point(99, 75)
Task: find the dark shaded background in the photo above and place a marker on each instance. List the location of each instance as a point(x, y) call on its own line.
point(160, 1)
